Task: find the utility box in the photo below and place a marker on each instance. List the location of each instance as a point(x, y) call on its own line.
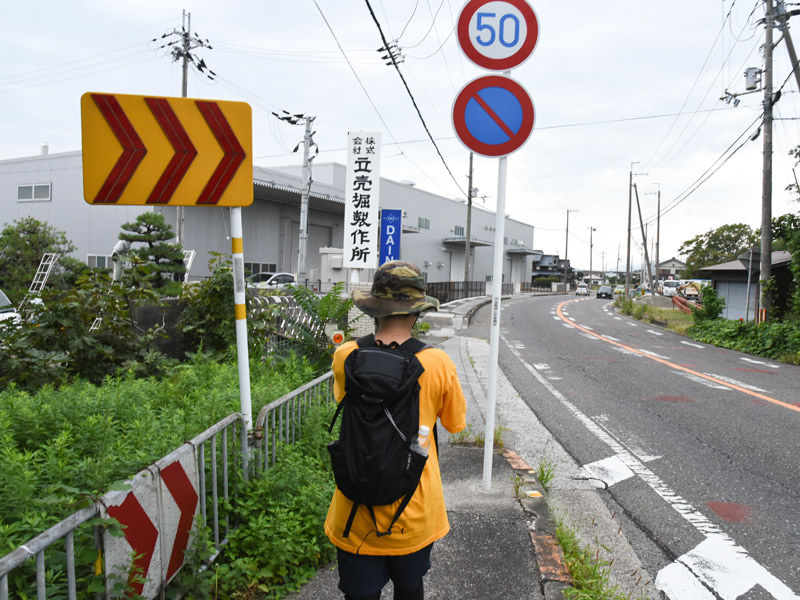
point(752, 77)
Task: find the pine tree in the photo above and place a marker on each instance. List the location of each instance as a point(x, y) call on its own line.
point(155, 263)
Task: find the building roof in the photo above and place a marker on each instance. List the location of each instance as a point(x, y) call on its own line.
point(779, 257)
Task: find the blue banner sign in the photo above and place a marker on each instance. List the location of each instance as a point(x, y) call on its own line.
point(391, 226)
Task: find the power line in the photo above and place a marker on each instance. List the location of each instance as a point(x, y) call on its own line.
point(410, 95)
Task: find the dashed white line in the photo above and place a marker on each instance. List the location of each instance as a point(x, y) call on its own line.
point(701, 381)
point(608, 337)
point(760, 362)
point(651, 353)
point(746, 386)
point(693, 345)
point(654, 332)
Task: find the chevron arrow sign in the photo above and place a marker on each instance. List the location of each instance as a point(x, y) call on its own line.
point(149, 150)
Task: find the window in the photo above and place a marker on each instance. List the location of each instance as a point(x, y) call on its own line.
point(459, 230)
point(99, 261)
point(424, 223)
point(253, 267)
point(34, 192)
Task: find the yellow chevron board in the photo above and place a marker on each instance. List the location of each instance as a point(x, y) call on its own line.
point(157, 151)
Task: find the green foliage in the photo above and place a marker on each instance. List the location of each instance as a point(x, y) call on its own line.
point(332, 307)
point(155, 263)
point(780, 341)
point(22, 244)
point(60, 446)
point(589, 572)
point(716, 246)
point(545, 473)
point(281, 541)
point(54, 341)
point(545, 281)
point(713, 305)
point(208, 320)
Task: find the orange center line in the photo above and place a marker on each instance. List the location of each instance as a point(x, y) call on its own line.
point(672, 365)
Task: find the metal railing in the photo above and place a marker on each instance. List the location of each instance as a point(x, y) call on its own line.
point(447, 291)
point(210, 465)
point(280, 421)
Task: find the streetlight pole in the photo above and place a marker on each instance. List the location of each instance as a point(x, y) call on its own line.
point(591, 229)
point(566, 247)
point(628, 256)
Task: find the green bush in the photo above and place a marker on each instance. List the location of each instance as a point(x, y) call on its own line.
point(780, 341)
point(713, 305)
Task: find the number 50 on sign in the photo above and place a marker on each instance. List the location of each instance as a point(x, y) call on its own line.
point(498, 34)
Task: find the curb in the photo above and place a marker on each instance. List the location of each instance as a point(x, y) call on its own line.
point(553, 573)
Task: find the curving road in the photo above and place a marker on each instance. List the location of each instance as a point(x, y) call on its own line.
point(699, 446)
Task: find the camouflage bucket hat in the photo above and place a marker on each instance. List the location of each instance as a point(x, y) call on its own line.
point(397, 289)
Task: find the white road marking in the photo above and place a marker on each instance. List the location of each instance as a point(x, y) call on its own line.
point(650, 353)
point(556, 318)
point(760, 362)
point(693, 345)
point(572, 319)
point(589, 336)
point(608, 337)
point(741, 384)
point(701, 381)
point(541, 366)
point(654, 332)
point(632, 324)
point(618, 318)
point(607, 472)
point(718, 562)
point(568, 325)
point(626, 351)
point(586, 327)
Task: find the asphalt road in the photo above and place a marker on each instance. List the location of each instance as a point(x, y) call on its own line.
point(699, 447)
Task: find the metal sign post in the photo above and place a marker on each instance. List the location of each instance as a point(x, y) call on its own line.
point(493, 116)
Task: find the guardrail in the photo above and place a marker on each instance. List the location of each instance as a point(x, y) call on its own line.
point(278, 422)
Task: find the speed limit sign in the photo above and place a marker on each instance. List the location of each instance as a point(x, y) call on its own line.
point(498, 34)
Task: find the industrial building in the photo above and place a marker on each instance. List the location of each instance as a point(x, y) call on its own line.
point(49, 188)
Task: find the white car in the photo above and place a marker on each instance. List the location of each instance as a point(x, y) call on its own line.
point(582, 290)
point(270, 281)
point(7, 310)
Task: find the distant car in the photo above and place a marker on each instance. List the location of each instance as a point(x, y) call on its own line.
point(582, 290)
point(605, 291)
point(7, 310)
point(270, 281)
point(670, 287)
point(619, 290)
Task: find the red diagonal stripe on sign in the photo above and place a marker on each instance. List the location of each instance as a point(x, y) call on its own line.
point(185, 151)
point(234, 154)
point(140, 533)
point(133, 150)
point(182, 490)
point(493, 115)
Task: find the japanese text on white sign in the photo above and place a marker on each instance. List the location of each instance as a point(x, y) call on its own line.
point(362, 187)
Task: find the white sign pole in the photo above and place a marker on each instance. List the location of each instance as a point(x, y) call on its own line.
point(494, 330)
point(240, 311)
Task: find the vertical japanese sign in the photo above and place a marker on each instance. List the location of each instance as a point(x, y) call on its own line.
point(391, 221)
point(362, 187)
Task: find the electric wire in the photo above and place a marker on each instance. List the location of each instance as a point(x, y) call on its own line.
point(413, 100)
point(427, 33)
point(413, 12)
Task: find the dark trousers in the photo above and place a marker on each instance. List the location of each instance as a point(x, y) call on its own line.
point(362, 577)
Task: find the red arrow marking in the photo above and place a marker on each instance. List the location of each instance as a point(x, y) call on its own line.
point(234, 154)
point(182, 491)
point(185, 151)
point(140, 533)
point(494, 116)
point(133, 150)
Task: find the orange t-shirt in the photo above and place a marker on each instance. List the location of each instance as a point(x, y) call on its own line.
point(425, 518)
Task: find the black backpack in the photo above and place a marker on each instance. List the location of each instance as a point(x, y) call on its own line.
point(371, 460)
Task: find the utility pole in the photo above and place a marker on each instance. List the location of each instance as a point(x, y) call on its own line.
point(186, 27)
point(628, 258)
point(566, 247)
point(783, 25)
point(302, 274)
point(644, 239)
point(766, 185)
point(468, 232)
point(591, 230)
point(658, 230)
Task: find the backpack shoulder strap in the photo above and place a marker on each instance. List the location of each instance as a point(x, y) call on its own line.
point(367, 340)
point(413, 345)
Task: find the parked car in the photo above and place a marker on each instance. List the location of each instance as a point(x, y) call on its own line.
point(605, 291)
point(7, 310)
point(270, 281)
point(582, 290)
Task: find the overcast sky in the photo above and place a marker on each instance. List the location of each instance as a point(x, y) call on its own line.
point(613, 83)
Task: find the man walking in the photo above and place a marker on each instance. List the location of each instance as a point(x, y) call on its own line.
point(371, 547)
